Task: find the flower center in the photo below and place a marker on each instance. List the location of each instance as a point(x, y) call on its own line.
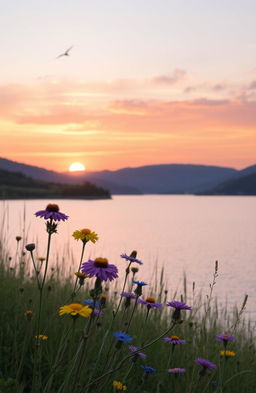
point(175, 337)
point(85, 231)
point(52, 207)
point(150, 299)
point(76, 306)
point(101, 262)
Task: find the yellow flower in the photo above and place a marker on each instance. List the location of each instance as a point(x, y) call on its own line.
point(86, 235)
point(119, 386)
point(41, 337)
point(75, 309)
point(81, 275)
point(28, 314)
point(227, 353)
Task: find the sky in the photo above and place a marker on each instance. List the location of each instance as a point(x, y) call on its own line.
point(146, 82)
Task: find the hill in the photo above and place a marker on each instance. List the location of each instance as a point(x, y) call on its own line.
point(243, 185)
point(16, 185)
point(151, 179)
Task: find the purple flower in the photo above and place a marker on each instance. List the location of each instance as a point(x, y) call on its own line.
point(121, 336)
point(141, 355)
point(150, 302)
point(96, 312)
point(128, 295)
point(174, 340)
point(148, 370)
point(51, 212)
point(178, 305)
point(224, 337)
point(205, 364)
point(176, 370)
point(176, 316)
point(100, 268)
point(131, 258)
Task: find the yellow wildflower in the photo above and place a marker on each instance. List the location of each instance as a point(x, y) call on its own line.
point(228, 354)
point(86, 235)
point(119, 386)
point(75, 309)
point(41, 337)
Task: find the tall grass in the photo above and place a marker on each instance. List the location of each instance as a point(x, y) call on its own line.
point(81, 355)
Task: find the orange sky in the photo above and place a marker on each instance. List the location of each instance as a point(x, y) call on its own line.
point(52, 124)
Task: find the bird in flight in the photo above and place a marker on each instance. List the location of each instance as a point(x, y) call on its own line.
point(66, 53)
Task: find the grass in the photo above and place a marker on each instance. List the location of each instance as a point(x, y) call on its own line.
point(81, 355)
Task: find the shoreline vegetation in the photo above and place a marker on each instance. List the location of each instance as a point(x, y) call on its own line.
point(88, 333)
point(15, 185)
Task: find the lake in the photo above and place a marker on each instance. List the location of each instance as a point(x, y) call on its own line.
point(183, 233)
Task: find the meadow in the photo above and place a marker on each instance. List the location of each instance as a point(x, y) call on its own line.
point(90, 333)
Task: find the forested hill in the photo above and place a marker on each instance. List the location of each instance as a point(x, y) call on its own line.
point(16, 185)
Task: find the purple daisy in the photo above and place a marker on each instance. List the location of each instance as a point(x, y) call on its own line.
point(176, 370)
point(100, 268)
point(224, 337)
point(131, 258)
point(179, 305)
point(176, 316)
point(137, 354)
point(128, 295)
point(174, 340)
point(150, 302)
point(51, 212)
point(148, 369)
point(205, 364)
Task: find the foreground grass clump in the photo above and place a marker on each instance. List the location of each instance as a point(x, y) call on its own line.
point(79, 335)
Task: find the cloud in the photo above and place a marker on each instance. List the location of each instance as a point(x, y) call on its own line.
point(177, 76)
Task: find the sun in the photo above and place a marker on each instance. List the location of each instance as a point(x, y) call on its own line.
point(76, 167)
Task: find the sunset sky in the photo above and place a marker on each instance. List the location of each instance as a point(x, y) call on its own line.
point(146, 82)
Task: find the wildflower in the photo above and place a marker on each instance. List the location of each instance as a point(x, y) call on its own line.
point(131, 258)
point(41, 259)
point(150, 302)
point(81, 277)
point(100, 268)
point(86, 235)
point(225, 338)
point(91, 303)
point(28, 314)
point(174, 340)
point(206, 365)
point(119, 386)
point(227, 354)
point(123, 337)
point(128, 295)
point(137, 354)
point(96, 312)
point(75, 309)
point(30, 247)
point(139, 284)
point(134, 269)
point(178, 307)
point(51, 212)
point(41, 337)
point(176, 370)
point(18, 238)
point(148, 370)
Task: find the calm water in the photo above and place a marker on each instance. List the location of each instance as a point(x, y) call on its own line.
point(182, 233)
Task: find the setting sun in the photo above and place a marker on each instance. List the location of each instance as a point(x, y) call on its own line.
point(76, 166)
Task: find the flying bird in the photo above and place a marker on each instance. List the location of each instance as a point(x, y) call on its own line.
point(66, 53)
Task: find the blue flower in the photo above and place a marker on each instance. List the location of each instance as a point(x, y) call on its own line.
point(91, 303)
point(131, 258)
point(149, 370)
point(140, 283)
point(121, 336)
